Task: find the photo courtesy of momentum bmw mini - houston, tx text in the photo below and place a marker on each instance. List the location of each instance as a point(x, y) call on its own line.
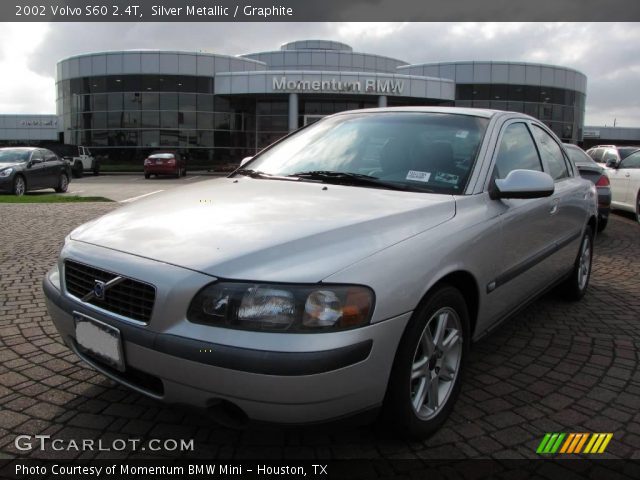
point(360, 281)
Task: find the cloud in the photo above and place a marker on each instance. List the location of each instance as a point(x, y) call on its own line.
point(606, 52)
point(23, 90)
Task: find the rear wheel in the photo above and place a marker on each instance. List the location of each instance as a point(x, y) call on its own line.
point(425, 378)
point(63, 184)
point(19, 185)
point(147, 175)
point(576, 285)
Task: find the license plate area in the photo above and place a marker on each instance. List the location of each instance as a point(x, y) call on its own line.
point(99, 340)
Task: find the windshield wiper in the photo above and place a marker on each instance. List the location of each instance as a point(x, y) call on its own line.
point(247, 172)
point(347, 178)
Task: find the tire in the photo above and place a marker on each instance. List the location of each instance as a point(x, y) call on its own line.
point(78, 170)
point(147, 175)
point(63, 183)
point(19, 186)
point(575, 286)
point(602, 223)
point(412, 406)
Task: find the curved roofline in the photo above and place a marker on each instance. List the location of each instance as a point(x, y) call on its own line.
point(499, 62)
point(331, 51)
point(475, 112)
point(171, 52)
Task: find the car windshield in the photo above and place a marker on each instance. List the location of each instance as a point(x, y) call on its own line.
point(578, 156)
point(626, 151)
point(14, 156)
point(432, 152)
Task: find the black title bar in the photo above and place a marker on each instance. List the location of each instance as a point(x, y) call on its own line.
point(316, 11)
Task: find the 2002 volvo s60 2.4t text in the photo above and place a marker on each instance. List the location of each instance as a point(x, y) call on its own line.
point(344, 268)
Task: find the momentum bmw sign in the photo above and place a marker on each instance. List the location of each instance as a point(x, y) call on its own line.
point(369, 85)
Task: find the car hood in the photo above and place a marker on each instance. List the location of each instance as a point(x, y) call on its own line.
point(267, 230)
point(11, 165)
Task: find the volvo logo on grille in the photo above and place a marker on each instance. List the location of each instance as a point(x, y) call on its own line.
point(99, 289)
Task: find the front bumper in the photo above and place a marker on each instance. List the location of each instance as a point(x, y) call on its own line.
point(309, 378)
point(6, 183)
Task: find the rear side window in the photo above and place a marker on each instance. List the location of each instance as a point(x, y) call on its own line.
point(517, 151)
point(551, 153)
point(596, 154)
point(49, 156)
point(576, 155)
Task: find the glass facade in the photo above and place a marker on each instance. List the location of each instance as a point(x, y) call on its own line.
point(123, 118)
point(562, 110)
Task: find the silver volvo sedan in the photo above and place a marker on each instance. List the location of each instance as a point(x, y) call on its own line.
point(345, 268)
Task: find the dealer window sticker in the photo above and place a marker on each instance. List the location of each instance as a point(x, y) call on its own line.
point(449, 178)
point(418, 176)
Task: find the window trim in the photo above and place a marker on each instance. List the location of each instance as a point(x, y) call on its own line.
point(525, 121)
point(545, 165)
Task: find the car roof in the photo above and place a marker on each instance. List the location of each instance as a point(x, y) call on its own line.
point(22, 148)
point(476, 112)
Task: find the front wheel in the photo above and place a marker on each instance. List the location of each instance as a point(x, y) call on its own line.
point(63, 184)
point(575, 286)
point(78, 169)
point(425, 378)
point(19, 186)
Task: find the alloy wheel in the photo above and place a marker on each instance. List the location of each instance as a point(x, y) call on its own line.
point(584, 266)
point(19, 187)
point(436, 363)
point(64, 183)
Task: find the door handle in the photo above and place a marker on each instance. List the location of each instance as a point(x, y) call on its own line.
point(554, 208)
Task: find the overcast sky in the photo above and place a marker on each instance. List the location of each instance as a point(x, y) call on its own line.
point(609, 54)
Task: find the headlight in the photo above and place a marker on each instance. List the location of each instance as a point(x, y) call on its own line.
point(6, 172)
point(282, 308)
point(54, 276)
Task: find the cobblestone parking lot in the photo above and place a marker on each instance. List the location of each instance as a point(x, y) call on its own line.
point(556, 367)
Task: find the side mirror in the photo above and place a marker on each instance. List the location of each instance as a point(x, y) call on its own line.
point(611, 163)
point(524, 184)
point(245, 160)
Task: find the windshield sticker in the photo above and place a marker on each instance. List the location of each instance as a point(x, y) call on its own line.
point(417, 176)
point(447, 178)
point(462, 133)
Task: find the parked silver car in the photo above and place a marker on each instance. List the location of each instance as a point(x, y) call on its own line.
point(344, 268)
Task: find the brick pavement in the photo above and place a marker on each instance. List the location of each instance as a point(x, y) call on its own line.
point(557, 366)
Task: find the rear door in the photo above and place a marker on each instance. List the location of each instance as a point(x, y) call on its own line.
point(567, 214)
point(629, 173)
point(53, 168)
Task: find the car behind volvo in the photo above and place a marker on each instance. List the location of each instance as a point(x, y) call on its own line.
point(344, 269)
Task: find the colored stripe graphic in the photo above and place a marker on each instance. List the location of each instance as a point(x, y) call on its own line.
point(553, 443)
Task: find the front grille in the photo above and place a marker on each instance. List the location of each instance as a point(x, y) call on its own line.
point(129, 298)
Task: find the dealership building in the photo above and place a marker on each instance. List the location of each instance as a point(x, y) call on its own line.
point(218, 108)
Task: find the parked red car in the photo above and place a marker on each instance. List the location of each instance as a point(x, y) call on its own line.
point(165, 163)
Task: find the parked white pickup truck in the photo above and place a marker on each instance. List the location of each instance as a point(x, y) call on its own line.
point(82, 161)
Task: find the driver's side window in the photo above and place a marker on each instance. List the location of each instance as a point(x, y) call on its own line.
point(36, 157)
point(516, 151)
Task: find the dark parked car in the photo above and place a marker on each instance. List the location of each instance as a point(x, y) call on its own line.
point(165, 163)
point(30, 168)
point(590, 170)
point(606, 153)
